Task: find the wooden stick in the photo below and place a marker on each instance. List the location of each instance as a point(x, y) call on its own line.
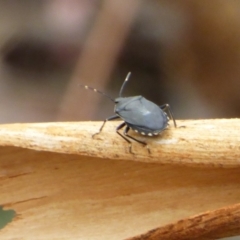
point(216, 224)
point(209, 143)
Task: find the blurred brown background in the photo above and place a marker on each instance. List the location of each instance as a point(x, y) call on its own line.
point(185, 53)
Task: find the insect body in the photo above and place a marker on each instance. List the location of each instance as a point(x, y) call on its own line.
point(138, 114)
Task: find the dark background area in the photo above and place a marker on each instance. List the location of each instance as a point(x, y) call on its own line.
point(185, 53)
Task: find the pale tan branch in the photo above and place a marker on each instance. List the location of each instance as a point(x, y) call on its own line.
point(211, 143)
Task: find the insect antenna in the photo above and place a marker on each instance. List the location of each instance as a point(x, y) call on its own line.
point(124, 83)
point(97, 91)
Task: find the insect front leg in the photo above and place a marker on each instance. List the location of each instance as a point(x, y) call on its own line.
point(107, 119)
point(166, 108)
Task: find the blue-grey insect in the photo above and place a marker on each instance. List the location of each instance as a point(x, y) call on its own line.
point(138, 114)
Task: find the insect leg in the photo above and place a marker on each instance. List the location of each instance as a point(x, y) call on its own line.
point(126, 134)
point(166, 107)
point(117, 130)
point(107, 119)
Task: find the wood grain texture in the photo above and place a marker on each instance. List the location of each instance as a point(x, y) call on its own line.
point(209, 143)
point(63, 196)
point(72, 187)
point(216, 224)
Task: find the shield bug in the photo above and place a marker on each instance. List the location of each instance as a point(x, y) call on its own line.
point(139, 114)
